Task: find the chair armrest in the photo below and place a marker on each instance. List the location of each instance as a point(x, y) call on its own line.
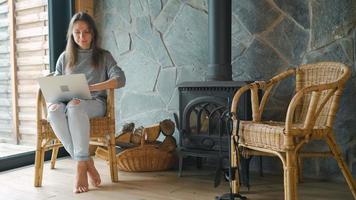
point(110, 103)
point(266, 86)
point(316, 104)
point(41, 107)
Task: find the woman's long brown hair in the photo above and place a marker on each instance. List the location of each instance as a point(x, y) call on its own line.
point(72, 48)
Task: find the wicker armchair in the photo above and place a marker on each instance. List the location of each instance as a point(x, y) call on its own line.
point(102, 133)
point(310, 116)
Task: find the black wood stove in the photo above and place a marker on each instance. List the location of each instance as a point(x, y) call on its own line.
point(202, 126)
point(202, 105)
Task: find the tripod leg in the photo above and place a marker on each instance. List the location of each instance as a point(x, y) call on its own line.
point(180, 165)
point(234, 172)
point(261, 167)
point(245, 170)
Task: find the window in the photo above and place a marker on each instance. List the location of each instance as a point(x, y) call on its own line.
point(24, 56)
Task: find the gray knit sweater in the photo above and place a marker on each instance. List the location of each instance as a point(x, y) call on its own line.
point(108, 70)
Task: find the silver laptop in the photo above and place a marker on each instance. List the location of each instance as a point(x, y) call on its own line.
point(64, 88)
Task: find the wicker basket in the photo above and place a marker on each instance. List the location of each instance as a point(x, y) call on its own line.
point(145, 158)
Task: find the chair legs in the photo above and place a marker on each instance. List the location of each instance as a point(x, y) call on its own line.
point(290, 181)
point(340, 161)
point(54, 155)
point(234, 164)
point(112, 159)
point(39, 159)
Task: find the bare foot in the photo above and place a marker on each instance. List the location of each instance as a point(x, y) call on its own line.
point(93, 173)
point(81, 182)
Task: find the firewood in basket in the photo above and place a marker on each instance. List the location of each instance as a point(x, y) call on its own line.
point(102, 153)
point(152, 132)
point(169, 144)
point(126, 145)
point(126, 133)
point(167, 127)
point(136, 136)
point(128, 127)
point(124, 137)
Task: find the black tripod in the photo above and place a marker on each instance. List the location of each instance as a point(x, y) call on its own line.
point(232, 170)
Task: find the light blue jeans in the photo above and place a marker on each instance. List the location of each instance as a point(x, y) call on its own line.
point(70, 123)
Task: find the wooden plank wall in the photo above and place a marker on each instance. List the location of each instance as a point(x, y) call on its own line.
point(32, 61)
point(5, 76)
point(85, 6)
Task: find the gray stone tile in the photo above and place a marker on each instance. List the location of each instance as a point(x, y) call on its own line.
point(123, 9)
point(173, 105)
point(164, 2)
point(141, 72)
point(123, 41)
point(259, 62)
point(160, 50)
point(290, 40)
point(256, 15)
point(143, 27)
point(187, 43)
point(166, 83)
point(198, 4)
point(108, 22)
point(332, 52)
point(239, 32)
point(155, 7)
point(237, 48)
point(348, 46)
point(142, 46)
point(167, 15)
point(110, 42)
point(133, 104)
point(152, 42)
point(298, 10)
point(332, 19)
point(139, 8)
point(190, 73)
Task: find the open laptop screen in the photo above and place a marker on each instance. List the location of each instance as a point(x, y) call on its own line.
point(64, 88)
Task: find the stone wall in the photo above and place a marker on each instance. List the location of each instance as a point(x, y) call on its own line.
point(161, 43)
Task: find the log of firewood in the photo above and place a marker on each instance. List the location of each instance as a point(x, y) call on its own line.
point(102, 153)
point(123, 138)
point(126, 133)
point(128, 127)
point(136, 136)
point(151, 133)
point(169, 144)
point(126, 145)
point(167, 127)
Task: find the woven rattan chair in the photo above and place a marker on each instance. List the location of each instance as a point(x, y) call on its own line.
point(102, 133)
point(310, 116)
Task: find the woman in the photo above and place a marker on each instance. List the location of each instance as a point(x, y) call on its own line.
point(70, 120)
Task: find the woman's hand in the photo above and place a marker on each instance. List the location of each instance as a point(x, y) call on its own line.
point(109, 84)
point(92, 88)
point(96, 87)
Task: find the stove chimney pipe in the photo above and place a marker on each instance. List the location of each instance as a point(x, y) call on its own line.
point(219, 20)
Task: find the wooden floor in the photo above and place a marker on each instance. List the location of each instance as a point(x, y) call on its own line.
point(194, 185)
